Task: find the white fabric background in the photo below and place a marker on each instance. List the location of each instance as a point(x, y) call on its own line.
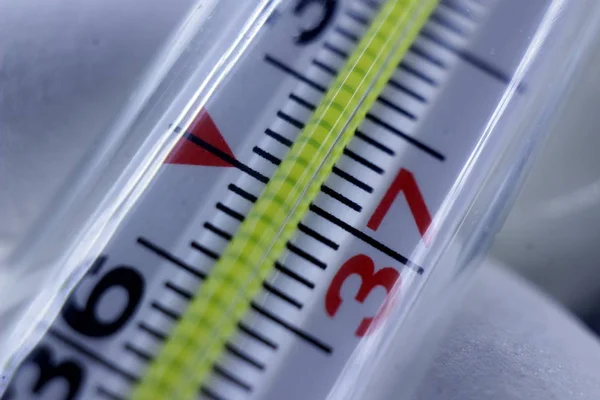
point(511, 342)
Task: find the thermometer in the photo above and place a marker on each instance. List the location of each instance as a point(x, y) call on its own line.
point(349, 160)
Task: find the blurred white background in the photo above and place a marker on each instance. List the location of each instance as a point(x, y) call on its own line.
point(552, 235)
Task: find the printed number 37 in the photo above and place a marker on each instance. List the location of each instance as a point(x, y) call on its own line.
point(363, 266)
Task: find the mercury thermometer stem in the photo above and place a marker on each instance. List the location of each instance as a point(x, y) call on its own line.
point(198, 339)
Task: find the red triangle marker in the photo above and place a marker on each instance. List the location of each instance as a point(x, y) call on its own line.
point(186, 152)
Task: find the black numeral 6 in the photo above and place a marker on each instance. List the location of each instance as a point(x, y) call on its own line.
point(84, 318)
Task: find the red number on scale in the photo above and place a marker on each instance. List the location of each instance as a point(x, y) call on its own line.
point(404, 182)
point(364, 267)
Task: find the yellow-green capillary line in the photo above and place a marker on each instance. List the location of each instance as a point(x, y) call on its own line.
point(198, 339)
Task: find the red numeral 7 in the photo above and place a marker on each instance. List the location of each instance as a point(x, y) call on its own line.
point(404, 182)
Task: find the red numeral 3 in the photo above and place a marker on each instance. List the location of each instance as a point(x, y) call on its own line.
point(364, 267)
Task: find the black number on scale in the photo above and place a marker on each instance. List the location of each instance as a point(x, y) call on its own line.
point(328, 10)
point(85, 320)
point(49, 371)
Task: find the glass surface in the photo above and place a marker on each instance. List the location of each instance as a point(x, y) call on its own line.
point(89, 93)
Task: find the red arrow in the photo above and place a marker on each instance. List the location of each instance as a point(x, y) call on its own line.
point(186, 152)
